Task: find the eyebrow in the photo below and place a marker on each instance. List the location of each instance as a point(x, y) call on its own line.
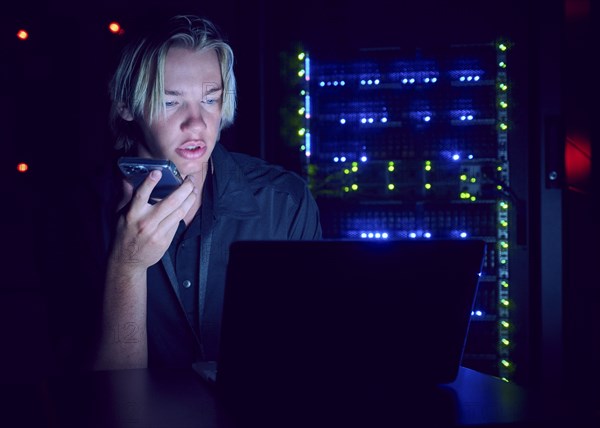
point(211, 89)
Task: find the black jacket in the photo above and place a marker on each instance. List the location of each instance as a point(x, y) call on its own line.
point(246, 198)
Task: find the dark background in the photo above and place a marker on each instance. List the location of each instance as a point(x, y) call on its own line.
point(54, 107)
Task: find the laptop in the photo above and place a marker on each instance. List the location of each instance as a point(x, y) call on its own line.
point(305, 321)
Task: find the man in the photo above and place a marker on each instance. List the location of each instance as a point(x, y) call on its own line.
point(164, 266)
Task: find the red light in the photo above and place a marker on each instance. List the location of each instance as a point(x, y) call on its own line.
point(115, 28)
point(22, 167)
point(22, 34)
point(578, 161)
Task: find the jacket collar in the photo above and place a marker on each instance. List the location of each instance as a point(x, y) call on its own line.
point(233, 195)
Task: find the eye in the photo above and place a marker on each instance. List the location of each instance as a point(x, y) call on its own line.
point(170, 103)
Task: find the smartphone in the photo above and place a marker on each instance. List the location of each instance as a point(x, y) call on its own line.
point(135, 170)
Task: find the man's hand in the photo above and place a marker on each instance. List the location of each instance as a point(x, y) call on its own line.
point(146, 230)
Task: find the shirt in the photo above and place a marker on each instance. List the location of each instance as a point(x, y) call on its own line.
point(244, 198)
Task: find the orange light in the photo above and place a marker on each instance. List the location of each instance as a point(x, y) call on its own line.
point(22, 167)
point(115, 28)
point(22, 34)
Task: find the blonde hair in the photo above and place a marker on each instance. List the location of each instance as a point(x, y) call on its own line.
point(138, 82)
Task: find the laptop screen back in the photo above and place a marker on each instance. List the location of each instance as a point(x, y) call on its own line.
point(338, 316)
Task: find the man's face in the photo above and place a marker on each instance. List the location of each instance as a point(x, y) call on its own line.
point(188, 131)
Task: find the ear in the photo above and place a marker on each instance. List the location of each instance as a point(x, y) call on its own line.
point(124, 112)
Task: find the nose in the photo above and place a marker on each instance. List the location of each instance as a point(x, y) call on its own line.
point(194, 119)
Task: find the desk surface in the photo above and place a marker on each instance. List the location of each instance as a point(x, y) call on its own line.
point(178, 399)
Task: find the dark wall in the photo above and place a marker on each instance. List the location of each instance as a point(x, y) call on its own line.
point(55, 107)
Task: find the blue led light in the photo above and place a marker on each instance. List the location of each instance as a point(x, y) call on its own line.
point(363, 158)
point(307, 106)
point(455, 156)
point(336, 159)
point(384, 119)
point(307, 68)
point(342, 121)
point(374, 235)
point(321, 84)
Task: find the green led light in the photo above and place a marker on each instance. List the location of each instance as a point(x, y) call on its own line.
point(503, 104)
point(391, 186)
point(391, 163)
point(503, 126)
point(463, 177)
point(505, 363)
point(505, 324)
point(504, 284)
point(473, 198)
point(473, 180)
point(301, 111)
point(499, 187)
point(427, 167)
point(355, 186)
point(505, 342)
point(428, 186)
point(354, 163)
point(346, 189)
point(504, 302)
point(499, 168)
point(504, 244)
point(503, 261)
point(303, 92)
point(346, 171)
point(354, 168)
point(301, 132)
point(504, 205)
point(503, 86)
point(302, 147)
point(502, 47)
point(391, 168)
point(502, 64)
point(301, 56)
point(504, 223)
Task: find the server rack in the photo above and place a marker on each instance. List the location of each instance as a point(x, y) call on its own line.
point(413, 144)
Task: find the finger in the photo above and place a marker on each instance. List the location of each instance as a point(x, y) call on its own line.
point(170, 223)
point(142, 194)
point(175, 199)
point(127, 194)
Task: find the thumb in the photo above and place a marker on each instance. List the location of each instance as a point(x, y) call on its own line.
point(127, 194)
